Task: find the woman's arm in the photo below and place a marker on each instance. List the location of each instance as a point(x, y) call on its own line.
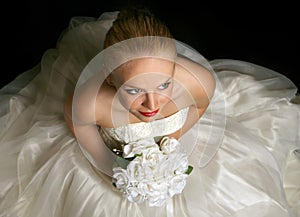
point(80, 118)
point(199, 85)
point(193, 116)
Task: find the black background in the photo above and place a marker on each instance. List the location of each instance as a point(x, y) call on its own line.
point(259, 32)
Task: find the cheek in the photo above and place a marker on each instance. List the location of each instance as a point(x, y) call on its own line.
point(166, 95)
point(164, 99)
point(130, 102)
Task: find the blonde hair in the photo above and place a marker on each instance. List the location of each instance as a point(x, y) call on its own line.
point(137, 33)
point(135, 22)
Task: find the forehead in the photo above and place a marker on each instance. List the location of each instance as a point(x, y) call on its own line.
point(146, 68)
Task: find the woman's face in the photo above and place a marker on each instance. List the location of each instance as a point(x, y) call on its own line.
point(144, 86)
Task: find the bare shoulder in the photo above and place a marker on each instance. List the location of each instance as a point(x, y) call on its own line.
point(90, 105)
point(103, 105)
point(198, 80)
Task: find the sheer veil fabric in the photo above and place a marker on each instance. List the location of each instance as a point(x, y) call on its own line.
point(113, 57)
point(245, 149)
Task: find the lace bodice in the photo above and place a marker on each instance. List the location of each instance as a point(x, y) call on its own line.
point(116, 137)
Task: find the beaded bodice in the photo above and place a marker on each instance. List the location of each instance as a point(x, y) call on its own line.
point(116, 137)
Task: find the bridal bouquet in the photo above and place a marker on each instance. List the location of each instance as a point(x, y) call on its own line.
point(155, 172)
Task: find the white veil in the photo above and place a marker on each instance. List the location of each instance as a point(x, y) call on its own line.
point(92, 77)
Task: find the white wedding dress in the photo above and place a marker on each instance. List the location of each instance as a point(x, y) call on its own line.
point(43, 171)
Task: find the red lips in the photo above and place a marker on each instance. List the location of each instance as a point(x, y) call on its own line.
point(149, 114)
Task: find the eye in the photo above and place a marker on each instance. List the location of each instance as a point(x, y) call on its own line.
point(164, 86)
point(133, 91)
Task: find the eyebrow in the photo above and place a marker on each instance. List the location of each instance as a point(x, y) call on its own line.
point(133, 87)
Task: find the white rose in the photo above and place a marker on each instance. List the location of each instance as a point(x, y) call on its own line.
point(135, 171)
point(169, 145)
point(182, 164)
point(121, 178)
point(133, 148)
point(174, 163)
point(151, 157)
point(177, 184)
point(145, 167)
point(134, 194)
point(153, 174)
point(157, 192)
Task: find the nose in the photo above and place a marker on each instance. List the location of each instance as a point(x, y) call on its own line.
point(150, 101)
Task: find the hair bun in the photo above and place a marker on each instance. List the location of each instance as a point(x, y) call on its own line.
point(129, 12)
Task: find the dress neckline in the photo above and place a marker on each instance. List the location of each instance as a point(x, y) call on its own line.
point(157, 121)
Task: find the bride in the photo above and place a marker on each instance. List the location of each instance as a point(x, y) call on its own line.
point(120, 103)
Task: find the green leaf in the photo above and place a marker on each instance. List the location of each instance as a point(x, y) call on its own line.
point(189, 170)
point(132, 158)
point(122, 162)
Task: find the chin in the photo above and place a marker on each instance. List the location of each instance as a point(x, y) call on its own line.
point(146, 119)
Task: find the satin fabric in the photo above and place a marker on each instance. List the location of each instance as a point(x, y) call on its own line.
point(255, 172)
